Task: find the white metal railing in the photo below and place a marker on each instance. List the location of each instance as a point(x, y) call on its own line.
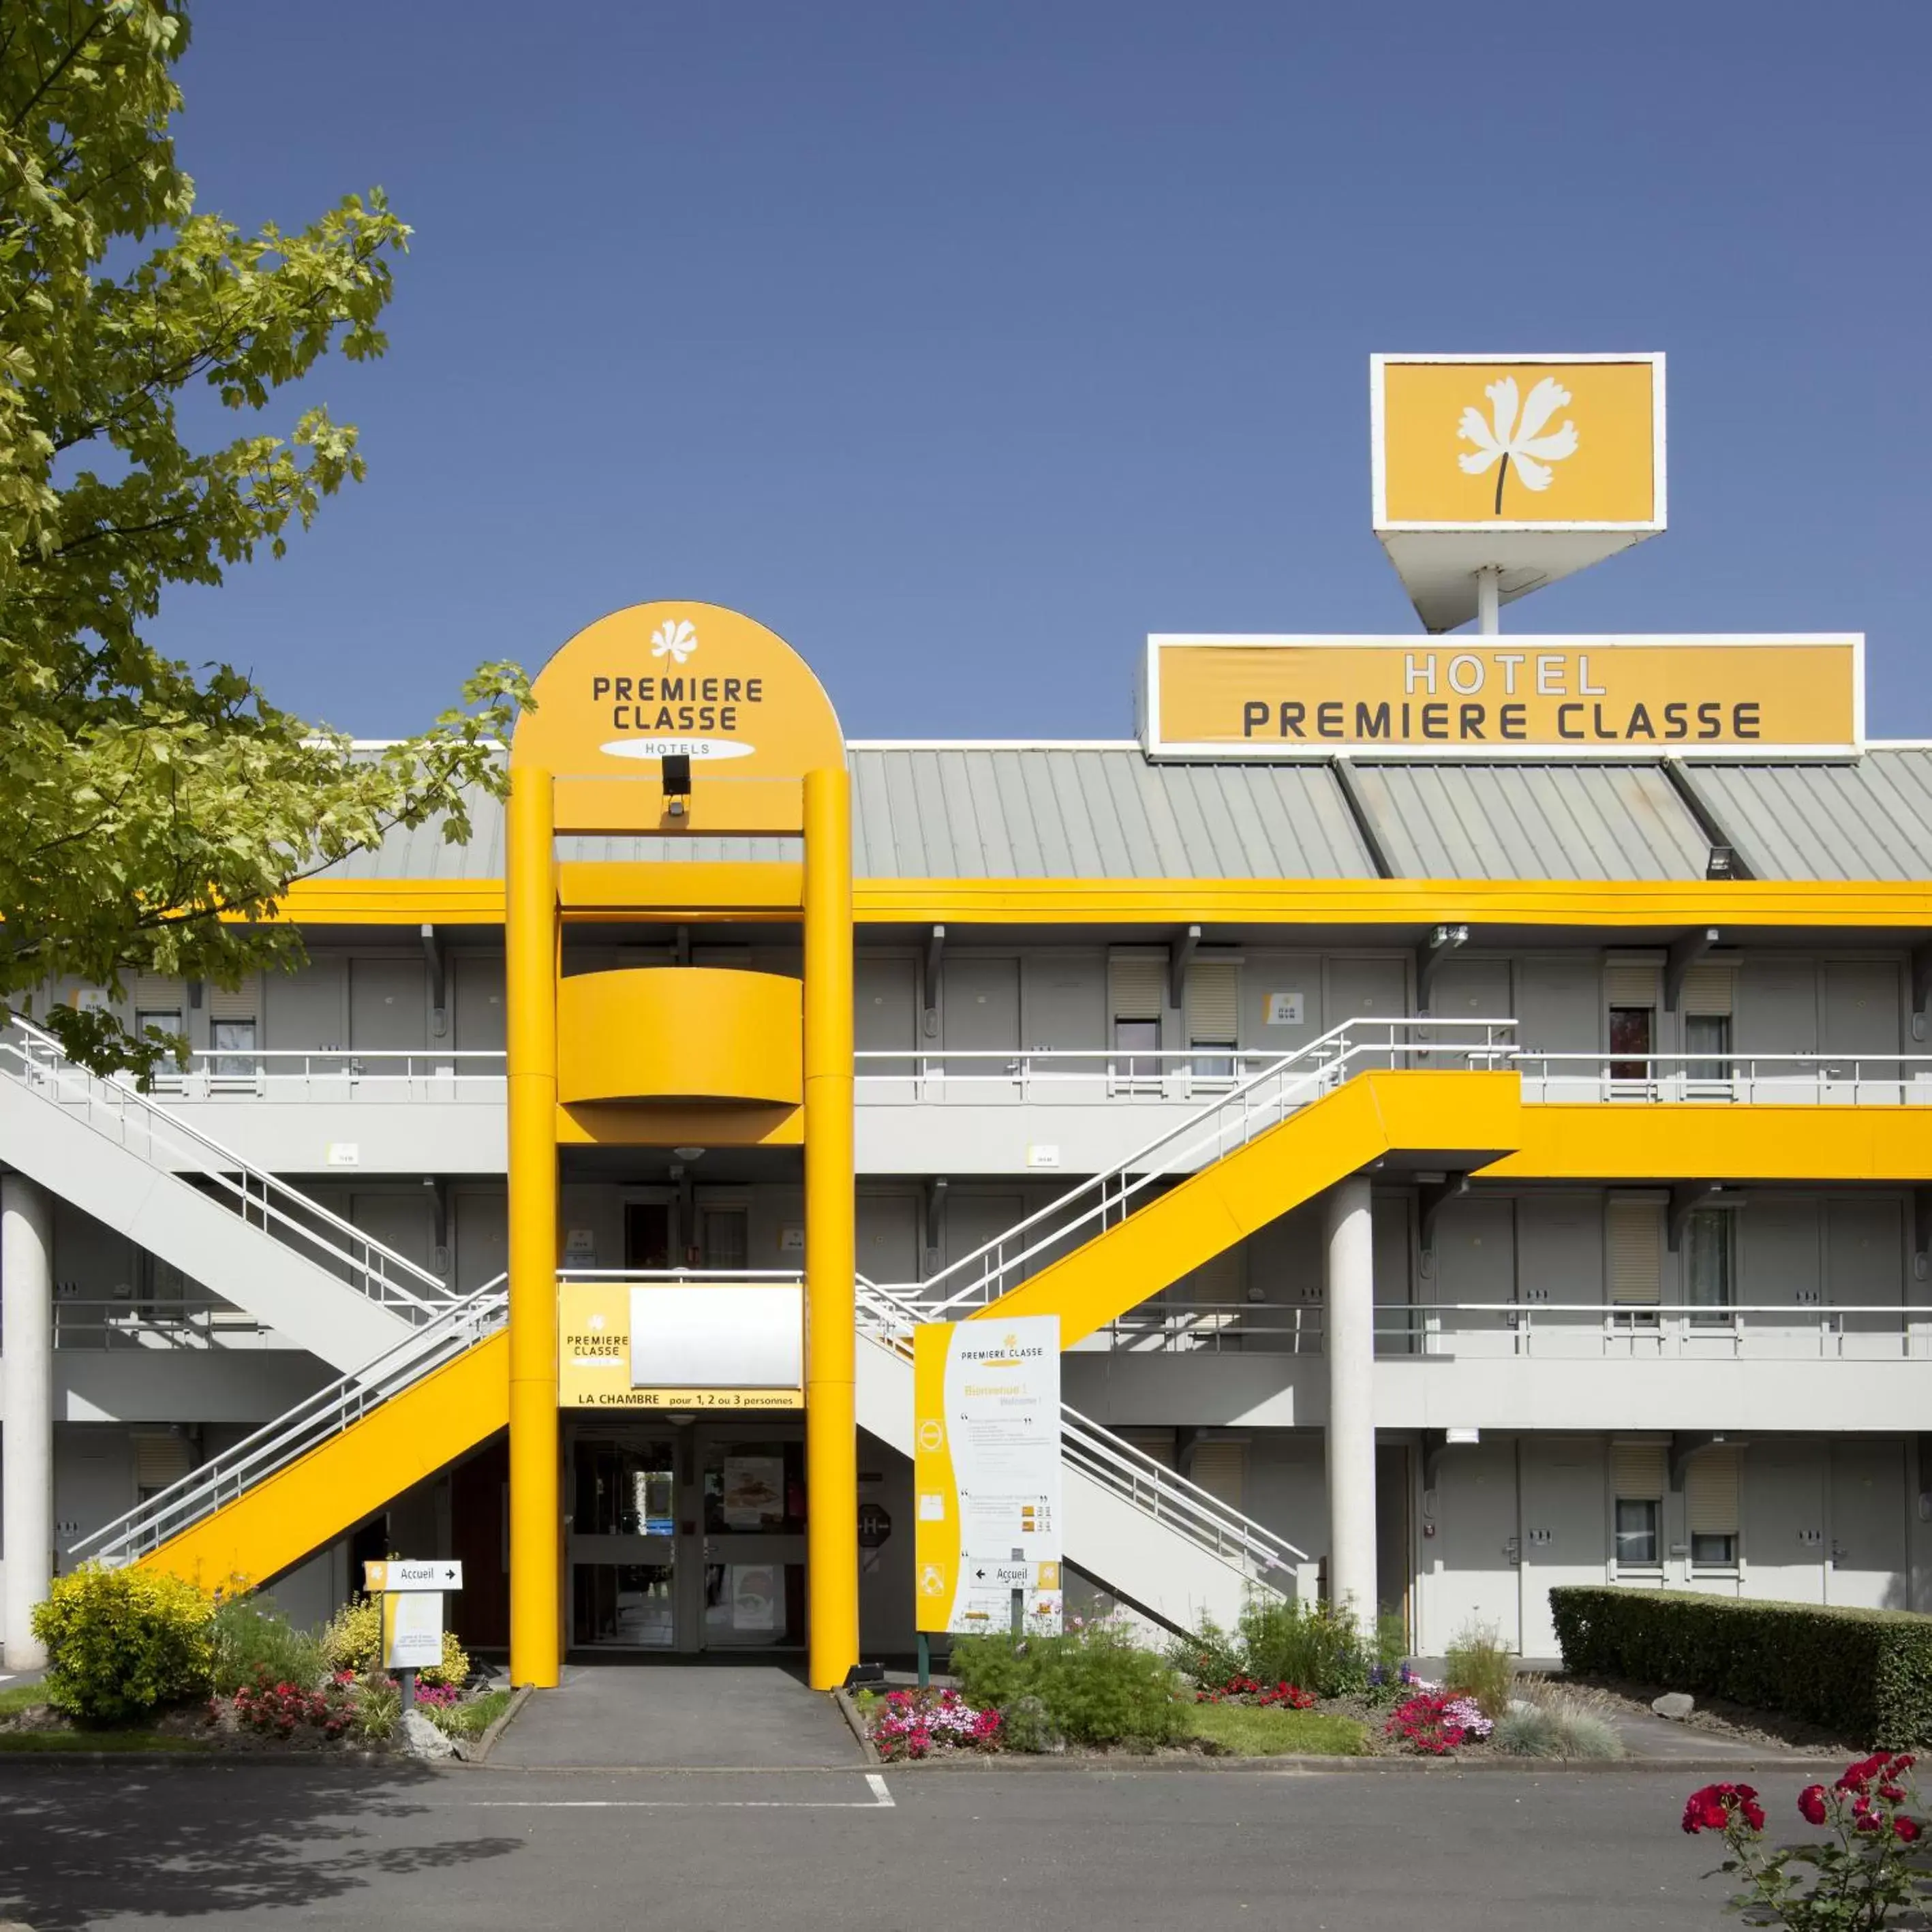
point(100, 1323)
point(1050, 1075)
point(887, 1319)
point(1541, 1328)
point(307, 1426)
point(1765, 1079)
point(1249, 1107)
point(1605, 1331)
point(335, 1074)
point(113, 1107)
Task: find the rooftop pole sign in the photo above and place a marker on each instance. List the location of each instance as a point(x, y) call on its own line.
point(1520, 696)
point(1506, 472)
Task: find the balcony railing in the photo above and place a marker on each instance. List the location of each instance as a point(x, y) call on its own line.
point(1543, 1330)
point(1764, 1079)
point(334, 1073)
point(121, 1324)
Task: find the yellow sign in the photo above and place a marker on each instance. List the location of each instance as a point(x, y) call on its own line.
point(1477, 442)
point(676, 678)
point(1503, 696)
point(595, 1368)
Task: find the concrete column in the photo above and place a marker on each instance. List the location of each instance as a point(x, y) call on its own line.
point(1349, 1338)
point(27, 1364)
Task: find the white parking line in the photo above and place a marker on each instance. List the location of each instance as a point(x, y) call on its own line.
point(881, 1800)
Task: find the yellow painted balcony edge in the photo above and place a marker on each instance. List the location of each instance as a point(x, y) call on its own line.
point(1608, 1141)
point(1844, 904)
point(409, 1436)
point(1461, 1118)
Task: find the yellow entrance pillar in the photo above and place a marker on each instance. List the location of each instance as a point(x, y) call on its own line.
point(831, 1418)
point(536, 1495)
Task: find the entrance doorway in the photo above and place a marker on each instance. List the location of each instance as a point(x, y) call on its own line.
point(686, 1537)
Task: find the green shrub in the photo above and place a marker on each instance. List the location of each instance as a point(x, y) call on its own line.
point(1209, 1656)
point(1391, 1641)
point(1556, 1727)
point(1317, 1646)
point(1477, 1665)
point(251, 1642)
point(353, 1641)
point(121, 1642)
point(1865, 1674)
point(1098, 1685)
point(378, 1703)
point(1026, 1725)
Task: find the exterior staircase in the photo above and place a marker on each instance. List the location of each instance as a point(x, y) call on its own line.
point(119, 1155)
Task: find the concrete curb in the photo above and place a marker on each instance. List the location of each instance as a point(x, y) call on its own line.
point(856, 1724)
point(965, 1762)
point(487, 1743)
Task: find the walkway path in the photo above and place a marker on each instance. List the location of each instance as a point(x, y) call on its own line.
point(687, 1714)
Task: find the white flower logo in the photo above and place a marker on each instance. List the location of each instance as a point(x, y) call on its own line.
point(1522, 439)
point(677, 641)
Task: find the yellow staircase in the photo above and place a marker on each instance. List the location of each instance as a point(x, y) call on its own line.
point(292, 1488)
point(1450, 1119)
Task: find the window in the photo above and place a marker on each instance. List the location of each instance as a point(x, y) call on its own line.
point(1711, 1508)
point(1708, 1282)
point(725, 1235)
point(1213, 1018)
point(234, 1049)
point(1707, 1047)
point(1632, 1041)
point(1136, 989)
point(162, 1020)
point(1633, 1238)
point(1713, 1550)
point(1636, 1532)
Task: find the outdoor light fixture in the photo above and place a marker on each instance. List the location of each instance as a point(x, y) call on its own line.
point(688, 1153)
point(1462, 1435)
point(1723, 863)
point(676, 767)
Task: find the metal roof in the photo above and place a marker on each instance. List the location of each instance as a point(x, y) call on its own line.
point(1867, 818)
point(1106, 811)
point(1469, 820)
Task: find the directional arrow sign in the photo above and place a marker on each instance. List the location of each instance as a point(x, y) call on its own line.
point(412, 1573)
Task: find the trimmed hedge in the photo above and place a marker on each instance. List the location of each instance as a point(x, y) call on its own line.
point(1866, 1674)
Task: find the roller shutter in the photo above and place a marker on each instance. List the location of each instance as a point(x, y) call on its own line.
point(160, 1459)
point(1634, 1236)
point(245, 1002)
point(1710, 1492)
point(1707, 990)
point(1213, 995)
point(1638, 1471)
point(1221, 1469)
point(1136, 985)
point(1629, 983)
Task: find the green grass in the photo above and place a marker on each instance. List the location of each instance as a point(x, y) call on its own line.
point(472, 1719)
point(98, 1741)
point(22, 1697)
point(1246, 1730)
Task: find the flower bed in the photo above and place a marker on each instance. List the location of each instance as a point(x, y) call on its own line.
point(911, 1724)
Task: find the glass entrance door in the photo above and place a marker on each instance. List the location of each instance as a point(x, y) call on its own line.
point(687, 1537)
point(623, 1542)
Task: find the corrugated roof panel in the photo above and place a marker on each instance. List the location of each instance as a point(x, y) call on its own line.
point(1105, 812)
point(1866, 819)
point(1532, 821)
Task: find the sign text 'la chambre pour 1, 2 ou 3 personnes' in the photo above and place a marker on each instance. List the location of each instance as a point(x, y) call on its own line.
point(1502, 695)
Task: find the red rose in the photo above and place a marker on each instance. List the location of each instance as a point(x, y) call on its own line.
point(1811, 1804)
point(1905, 1830)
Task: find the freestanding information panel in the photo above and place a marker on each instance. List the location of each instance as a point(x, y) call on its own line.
point(986, 1474)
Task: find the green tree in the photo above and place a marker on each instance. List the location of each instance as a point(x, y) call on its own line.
point(156, 812)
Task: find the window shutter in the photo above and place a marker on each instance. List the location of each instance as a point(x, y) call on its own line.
point(244, 1003)
point(1135, 985)
point(1213, 1002)
point(1638, 1471)
point(153, 994)
point(1157, 1443)
point(1707, 990)
point(1634, 1235)
point(1710, 1492)
point(160, 1460)
point(1220, 1468)
point(1629, 982)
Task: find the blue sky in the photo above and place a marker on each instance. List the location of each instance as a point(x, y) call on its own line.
point(965, 345)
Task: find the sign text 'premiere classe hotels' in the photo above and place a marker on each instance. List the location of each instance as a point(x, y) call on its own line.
point(1503, 697)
